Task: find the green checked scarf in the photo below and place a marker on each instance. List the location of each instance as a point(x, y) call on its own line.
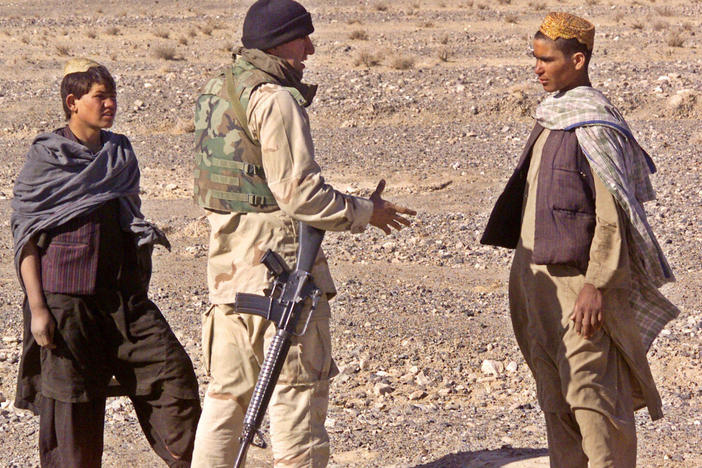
point(624, 167)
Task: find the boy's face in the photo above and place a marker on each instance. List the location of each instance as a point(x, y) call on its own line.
point(555, 70)
point(95, 109)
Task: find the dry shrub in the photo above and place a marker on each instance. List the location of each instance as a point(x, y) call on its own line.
point(63, 50)
point(468, 4)
point(402, 63)
point(675, 39)
point(444, 39)
point(637, 25)
point(664, 11)
point(207, 29)
point(541, 5)
point(162, 33)
point(381, 6)
point(512, 19)
point(416, 5)
point(182, 40)
point(358, 35)
point(426, 24)
point(164, 52)
point(367, 59)
point(24, 39)
point(504, 2)
point(687, 26)
point(186, 126)
point(91, 34)
point(112, 31)
point(192, 32)
point(592, 2)
point(353, 21)
point(619, 16)
point(660, 25)
point(444, 54)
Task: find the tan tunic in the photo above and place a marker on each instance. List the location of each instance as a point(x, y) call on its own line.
point(571, 371)
point(238, 240)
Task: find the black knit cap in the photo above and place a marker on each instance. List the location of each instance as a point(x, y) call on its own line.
point(269, 23)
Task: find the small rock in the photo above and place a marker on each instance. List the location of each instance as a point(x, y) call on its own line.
point(417, 395)
point(492, 367)
point(350, 369)
point(422, 379)
point(675, 101)
point(382, 389)
point(512, 367)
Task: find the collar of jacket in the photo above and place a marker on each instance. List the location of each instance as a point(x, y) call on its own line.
point(280, 70)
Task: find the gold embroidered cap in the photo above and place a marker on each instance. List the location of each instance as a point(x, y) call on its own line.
point(79, 65)
point(567, 26)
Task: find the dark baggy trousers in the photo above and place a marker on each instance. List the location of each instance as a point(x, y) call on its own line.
point(98, 336)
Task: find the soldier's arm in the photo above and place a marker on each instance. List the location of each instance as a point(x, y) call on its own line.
point(293, 176)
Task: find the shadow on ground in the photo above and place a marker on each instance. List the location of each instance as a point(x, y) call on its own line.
point(507, 457)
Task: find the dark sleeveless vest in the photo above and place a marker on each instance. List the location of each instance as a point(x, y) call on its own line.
point(565, 203)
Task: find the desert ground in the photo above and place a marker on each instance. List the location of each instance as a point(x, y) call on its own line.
point(436, 97)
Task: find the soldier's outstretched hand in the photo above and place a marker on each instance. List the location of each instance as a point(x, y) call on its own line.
point(386, 215)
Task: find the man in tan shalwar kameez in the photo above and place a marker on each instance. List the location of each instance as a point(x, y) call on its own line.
point(582, 295)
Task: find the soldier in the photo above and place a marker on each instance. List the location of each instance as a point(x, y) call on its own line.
point(256, 176)
point(583, 289)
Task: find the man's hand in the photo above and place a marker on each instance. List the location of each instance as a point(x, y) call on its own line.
point(587, 313)
point(385, 214)
point(43, 326)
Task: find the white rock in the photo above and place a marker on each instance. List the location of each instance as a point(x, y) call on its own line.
point(676, 101)
point(492, 367)
point(512, 367)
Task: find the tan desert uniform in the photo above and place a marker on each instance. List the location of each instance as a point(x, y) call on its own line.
point(234, 344)
point(585, 380)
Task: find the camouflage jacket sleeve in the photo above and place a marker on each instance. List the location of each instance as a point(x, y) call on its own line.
point(295, 179)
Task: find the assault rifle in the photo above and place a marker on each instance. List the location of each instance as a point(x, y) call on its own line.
point(282, 306)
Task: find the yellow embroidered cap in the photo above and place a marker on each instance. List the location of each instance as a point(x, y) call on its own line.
point(567, 26)
point(79, 65)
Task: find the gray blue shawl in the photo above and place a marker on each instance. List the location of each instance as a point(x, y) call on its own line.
point(61, 180)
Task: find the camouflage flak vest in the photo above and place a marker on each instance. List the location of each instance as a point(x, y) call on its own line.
point(229, 172)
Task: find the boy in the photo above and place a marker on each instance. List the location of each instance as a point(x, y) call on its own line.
point(83, 256)
point(583, 288)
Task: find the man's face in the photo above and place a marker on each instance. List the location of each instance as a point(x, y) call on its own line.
point(294, 52)
point(555, 70)
point(95, 109)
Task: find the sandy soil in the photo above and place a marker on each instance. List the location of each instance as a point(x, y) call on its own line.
point(436, 97)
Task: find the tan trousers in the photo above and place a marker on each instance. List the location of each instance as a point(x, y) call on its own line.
point(584, 386)
point(233, 347)
point(585, 435)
